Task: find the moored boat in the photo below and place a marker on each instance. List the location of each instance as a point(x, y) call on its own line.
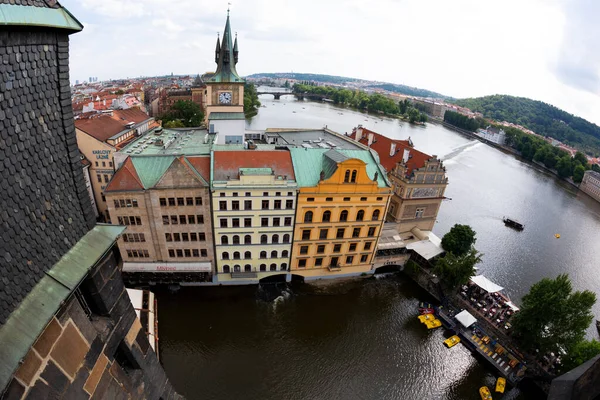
point(598, 326)
point(452, 341)
point(485, 394)
point(500, 385)
point(513, 223)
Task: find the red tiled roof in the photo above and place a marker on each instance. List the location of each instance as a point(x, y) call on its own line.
point(125, 179)
point(104, 126)
point(202, 165)
point(382, 145)
point(228, 163)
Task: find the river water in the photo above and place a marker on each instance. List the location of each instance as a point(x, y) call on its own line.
point(361, 339)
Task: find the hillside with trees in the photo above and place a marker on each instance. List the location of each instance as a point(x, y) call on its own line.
point(542, 118)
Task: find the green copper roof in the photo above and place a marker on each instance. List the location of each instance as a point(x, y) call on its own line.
point(17, 15)
point(217, 115)
point(27, 322)
point(150, 169)
point(308, 164)
point(227, 58)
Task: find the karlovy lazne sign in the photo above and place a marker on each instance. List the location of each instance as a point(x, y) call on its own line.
point(167, 267)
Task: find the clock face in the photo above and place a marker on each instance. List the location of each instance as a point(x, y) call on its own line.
point(225, 98)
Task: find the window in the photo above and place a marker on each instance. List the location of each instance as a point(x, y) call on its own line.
point(110, 164)
point(265, 204)
point(235, 205)
point(308, 216)
point(273, 267)
point(193, 236)
point(275, 239)
point(264, 222)
point(221, 194)
point(185, 237)
point(225, 255)
point(163, 202)
point(247, 204)
point(134, 237)
point(360, 215)
point(236, 255)
point(318, 262)
point(263, 267)
point(286, 238)
point(236, 239)
point(96, 163)
point(303, 249)
point(368, 245)
point(165, 219)
point(349, 259)
point(347, 176)
point(356, 232)
point(284, 267)
point(198, 201)
point(276, 221)
point(247, 222)
point(274, 254)
point(290, 193)
point(263, 239)
point(226, 269)
point(340, 233)
point(182, 219)
point(363, 199)
point(222, 205)
point(379, 198)
point(346, 198)
point(99, 178)
point(334, 262)
point(247, 268)
point(247, 255)
point(327, 216)
point(171, 253)
point(306, 234)
point(375, 215)
point(224, 240)
point(116, 203)
point(234, 194)
point(302, 263)
point(323, 233)
point(419, 213)
point(329, 199)
point(289, 204)
point(352, 247)
point(177, 237)
point(247, 239)
point(174, 220)
point(287, 221)
point(180, 201)
point(179, 252)
point(200, 219)
point(277, 204)
point(202, 237)
point(363, 258)
point(337, 248)
point(187, 253)
point(344, 216)
point(265, 194)
point(248, 194)
point(263, 254)
point(353, 179)
point(371, 232)
point(321, 249)
point(105, 178)
point(223, 222)
point(310, 199)
point(104, 164)
point(195, 253)
point(171, 201)
point(285, 254)
point(277, 193)
point(235, 222)
point(191, 219)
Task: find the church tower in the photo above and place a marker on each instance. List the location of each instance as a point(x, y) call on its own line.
point(225, 89)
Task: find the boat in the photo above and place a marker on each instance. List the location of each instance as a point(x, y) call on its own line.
point(513, 223)
point(598, 326)
point(485, 394)
point(557, 235)
point(500, 385)
point(452, 341)
point(436, 323)
point(426, 311)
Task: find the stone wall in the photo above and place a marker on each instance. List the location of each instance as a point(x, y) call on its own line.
point(580, 383)
point(94, 347)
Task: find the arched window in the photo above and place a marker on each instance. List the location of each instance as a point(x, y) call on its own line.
point(225, 255)
point(263, 267)
point(375, 215)
point(344, 216)
point(247, 268)
point(247, 255)
point(327, 216)
point(236, 255)
point(284, 267)
point(347, 176)
point(308, 216)
point(226, 269)
point(247, 239)
point(236, 239)
point(237, 268)
point(273, 267)
point(353, 180)
point(284, 254)
point(275, 239)
point(286, 238)
point(263, 239)
point(274, 254)
point(224, 240)
point(263, 254)
point(360, 215)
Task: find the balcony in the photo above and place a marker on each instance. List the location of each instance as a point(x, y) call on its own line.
point(333, 268)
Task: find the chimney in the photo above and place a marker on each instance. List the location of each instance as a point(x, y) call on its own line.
point(370, 139)
point(405, 156)
point(359, 133)
point(392, 149)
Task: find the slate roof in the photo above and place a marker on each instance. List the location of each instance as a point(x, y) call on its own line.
point(382, 145)
point(228, 163)
point(104, 126)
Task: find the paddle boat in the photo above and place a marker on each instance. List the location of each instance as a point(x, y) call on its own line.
point(452, 341)
point(485, 394)
point(500, 385)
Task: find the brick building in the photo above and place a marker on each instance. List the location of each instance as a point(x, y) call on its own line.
point(591, 184)
point(67, 327)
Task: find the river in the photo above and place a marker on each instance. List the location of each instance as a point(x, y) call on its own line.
point(361, 339)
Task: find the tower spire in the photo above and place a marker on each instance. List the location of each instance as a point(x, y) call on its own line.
point(218, 49)
point(235, 50)
point(226, 57)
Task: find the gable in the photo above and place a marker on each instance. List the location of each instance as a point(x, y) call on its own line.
point(179, 175)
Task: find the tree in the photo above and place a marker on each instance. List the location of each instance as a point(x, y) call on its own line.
point(564, 166)
point(454, 270)
point(187, 112)
point(459, 240)
point(173, 124)
point(552, 316)
point(578, 173)
point(580, 353)
point(251, 102)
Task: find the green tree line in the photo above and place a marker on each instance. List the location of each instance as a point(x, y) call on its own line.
point(184, 113)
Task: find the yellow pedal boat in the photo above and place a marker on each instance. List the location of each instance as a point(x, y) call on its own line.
point(452, 341)
point(500, 385)
point(485, 394)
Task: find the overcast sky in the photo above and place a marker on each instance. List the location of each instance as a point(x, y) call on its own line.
point(547, 50)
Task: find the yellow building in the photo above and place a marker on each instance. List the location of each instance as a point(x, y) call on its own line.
point(342, 200)
point(253, 202)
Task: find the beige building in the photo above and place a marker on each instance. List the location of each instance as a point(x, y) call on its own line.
point(99, 136)
point(591, 184)
point(254, 196)
point(165, 203)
